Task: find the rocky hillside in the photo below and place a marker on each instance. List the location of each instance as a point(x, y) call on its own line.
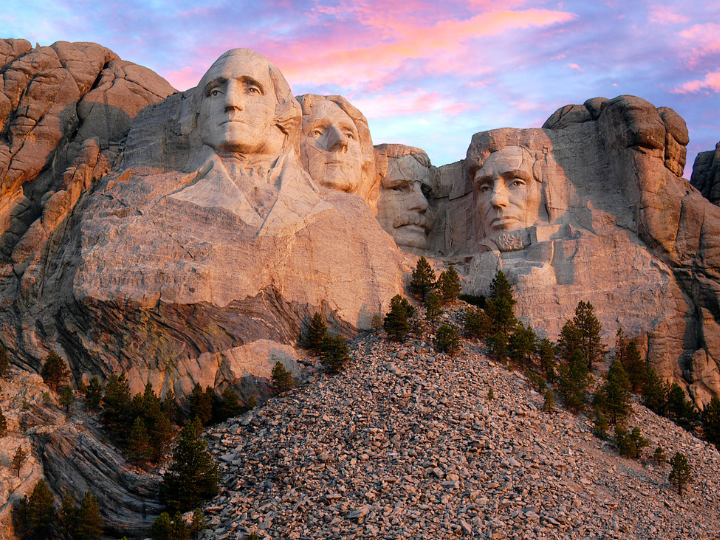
point(407, 444)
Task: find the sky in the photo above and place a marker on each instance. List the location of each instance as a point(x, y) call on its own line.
point(425, 73)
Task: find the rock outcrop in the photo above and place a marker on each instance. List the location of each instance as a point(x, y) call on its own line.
point(706, 174)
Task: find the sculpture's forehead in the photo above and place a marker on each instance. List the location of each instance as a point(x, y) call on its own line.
point(408, 168)
point(329, 111)
point(238, 66)
point(510, 158)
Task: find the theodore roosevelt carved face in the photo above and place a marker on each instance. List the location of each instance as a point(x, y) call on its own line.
point(508, 196)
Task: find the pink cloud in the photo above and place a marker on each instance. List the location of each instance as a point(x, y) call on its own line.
point(703, 39)
point(575, 66)
point(184, 78)
point(711, 82)
point(415, 102)
point(663, 15)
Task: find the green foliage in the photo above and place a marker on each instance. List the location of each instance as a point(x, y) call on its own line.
point(34, 517)
point(573, 381)
point(4, 361)
point(282, 378)
point(193, 475)
point(67, 397)
point(546, 352)
point(376, 323)
point(549, 402)
point(499, 306)
point(67, 516)
point(448, 284)
point(251, 403)
point(447, 339)
point(681, 472)
point(138, 443)
point(521, 344)
point(680, 409)
point(654, 393)
point(601, 426)
point(93, 394)
point(569, 341)
point(18, 460)
point(498, 345)
point(3, 424)
point(634, 366)
point(423, 279)
point(335, 353)
point(477, 324)
point(589, 328)
point(396, 322)
point(316, 333)
point(659, 456)
point(613, 397)
point(630, 444)
point(710, 420)
point(170, 407)
point(164, 528)
point(491, 393)
point(252, 536)
point(88, 523)
point(536, 380)
point(198, 523)
point(473, 300)
point(54, 372)
point(433, 308)
point(116, 415)
point(46, 398)
point(228, 405)
point(201, 403)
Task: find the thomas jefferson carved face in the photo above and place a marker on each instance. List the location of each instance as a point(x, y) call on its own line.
point(508, 196)
point(238, 109)
point(402, 206)
point(330, 147)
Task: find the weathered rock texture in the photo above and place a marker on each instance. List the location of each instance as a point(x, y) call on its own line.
point(618, 227)
point(706, 174)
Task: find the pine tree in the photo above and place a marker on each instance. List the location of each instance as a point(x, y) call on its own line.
point(549, 401)
point(88, 521)
point(710, 420)
point(396, 322)
point(589, 328)
point(165, 528)
point(680, 409)
point(198, 523)
point(521, 344)
point(281, 377)
point(423, 279)
point(116, 412)
point(573, 381)
point(18, 460)
point(335, 353)
point(546, 351)
point(193, 475)
point(433, 308)
point(67, 516)
point(654, 393)
point(634, 366)
point(93, 394)
point(160, 438)
point(477, 325)
point(201, 403)
point(659, 456)
point(67, 397)
point(228, 406)
point(613, 397)
point(170, 407)
point(569, 341)
point(35, 516)
point(447, 340)
point(498, 345)
point(681, 473)
point(601, 425)
point(630, 443)
point(4, 361)
point(3, 424)
point(316, 333)
point(448, 285)
point(138, 443)
point(54, 372)
point(499, 306)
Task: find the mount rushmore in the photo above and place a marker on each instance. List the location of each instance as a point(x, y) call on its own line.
point(188, 237)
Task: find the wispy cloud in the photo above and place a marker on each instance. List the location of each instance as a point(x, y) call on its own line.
point(711, 83)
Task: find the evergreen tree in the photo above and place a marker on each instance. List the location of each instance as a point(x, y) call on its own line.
point(281, 377)
point(549, 401)
point(477, 324)
point(89, 523)
point(316, 333)
point(198, 523)
point(35, 516)
point(201, 403)
point(601, 425)
point(18, 460)
point(498, 344)
point(659, 456)
point(3, 424)
point(448, 285)
point(116, 414)
point(160, 438)
point(521, 344)
point(170, 407)
point(613, 397)
point(396, 322)
point(710, 420)
point(423, 279)
point(630, 444)
point(680, 409)
point(67, 516)
point(54, 372)
point(335, 353)
point(499, 306)
point(447, 339)
point(4, 361)
point(546, 351)
point(569, 341)
point(193, 475)
point(433, 308)
point(681, 473)
point(67, 397)
point(164, 528)
point(634, 366)
point(93, 394)
point(589, 328)
point(138, 443)
point(228, 405)
point(573, 381)
point(655, 393)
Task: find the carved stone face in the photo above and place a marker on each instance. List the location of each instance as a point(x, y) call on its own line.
point(237, 113)
point(330, 147)
point(508, 196)
point(402, 206)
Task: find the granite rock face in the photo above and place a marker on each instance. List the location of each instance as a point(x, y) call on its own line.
point(706, 174)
